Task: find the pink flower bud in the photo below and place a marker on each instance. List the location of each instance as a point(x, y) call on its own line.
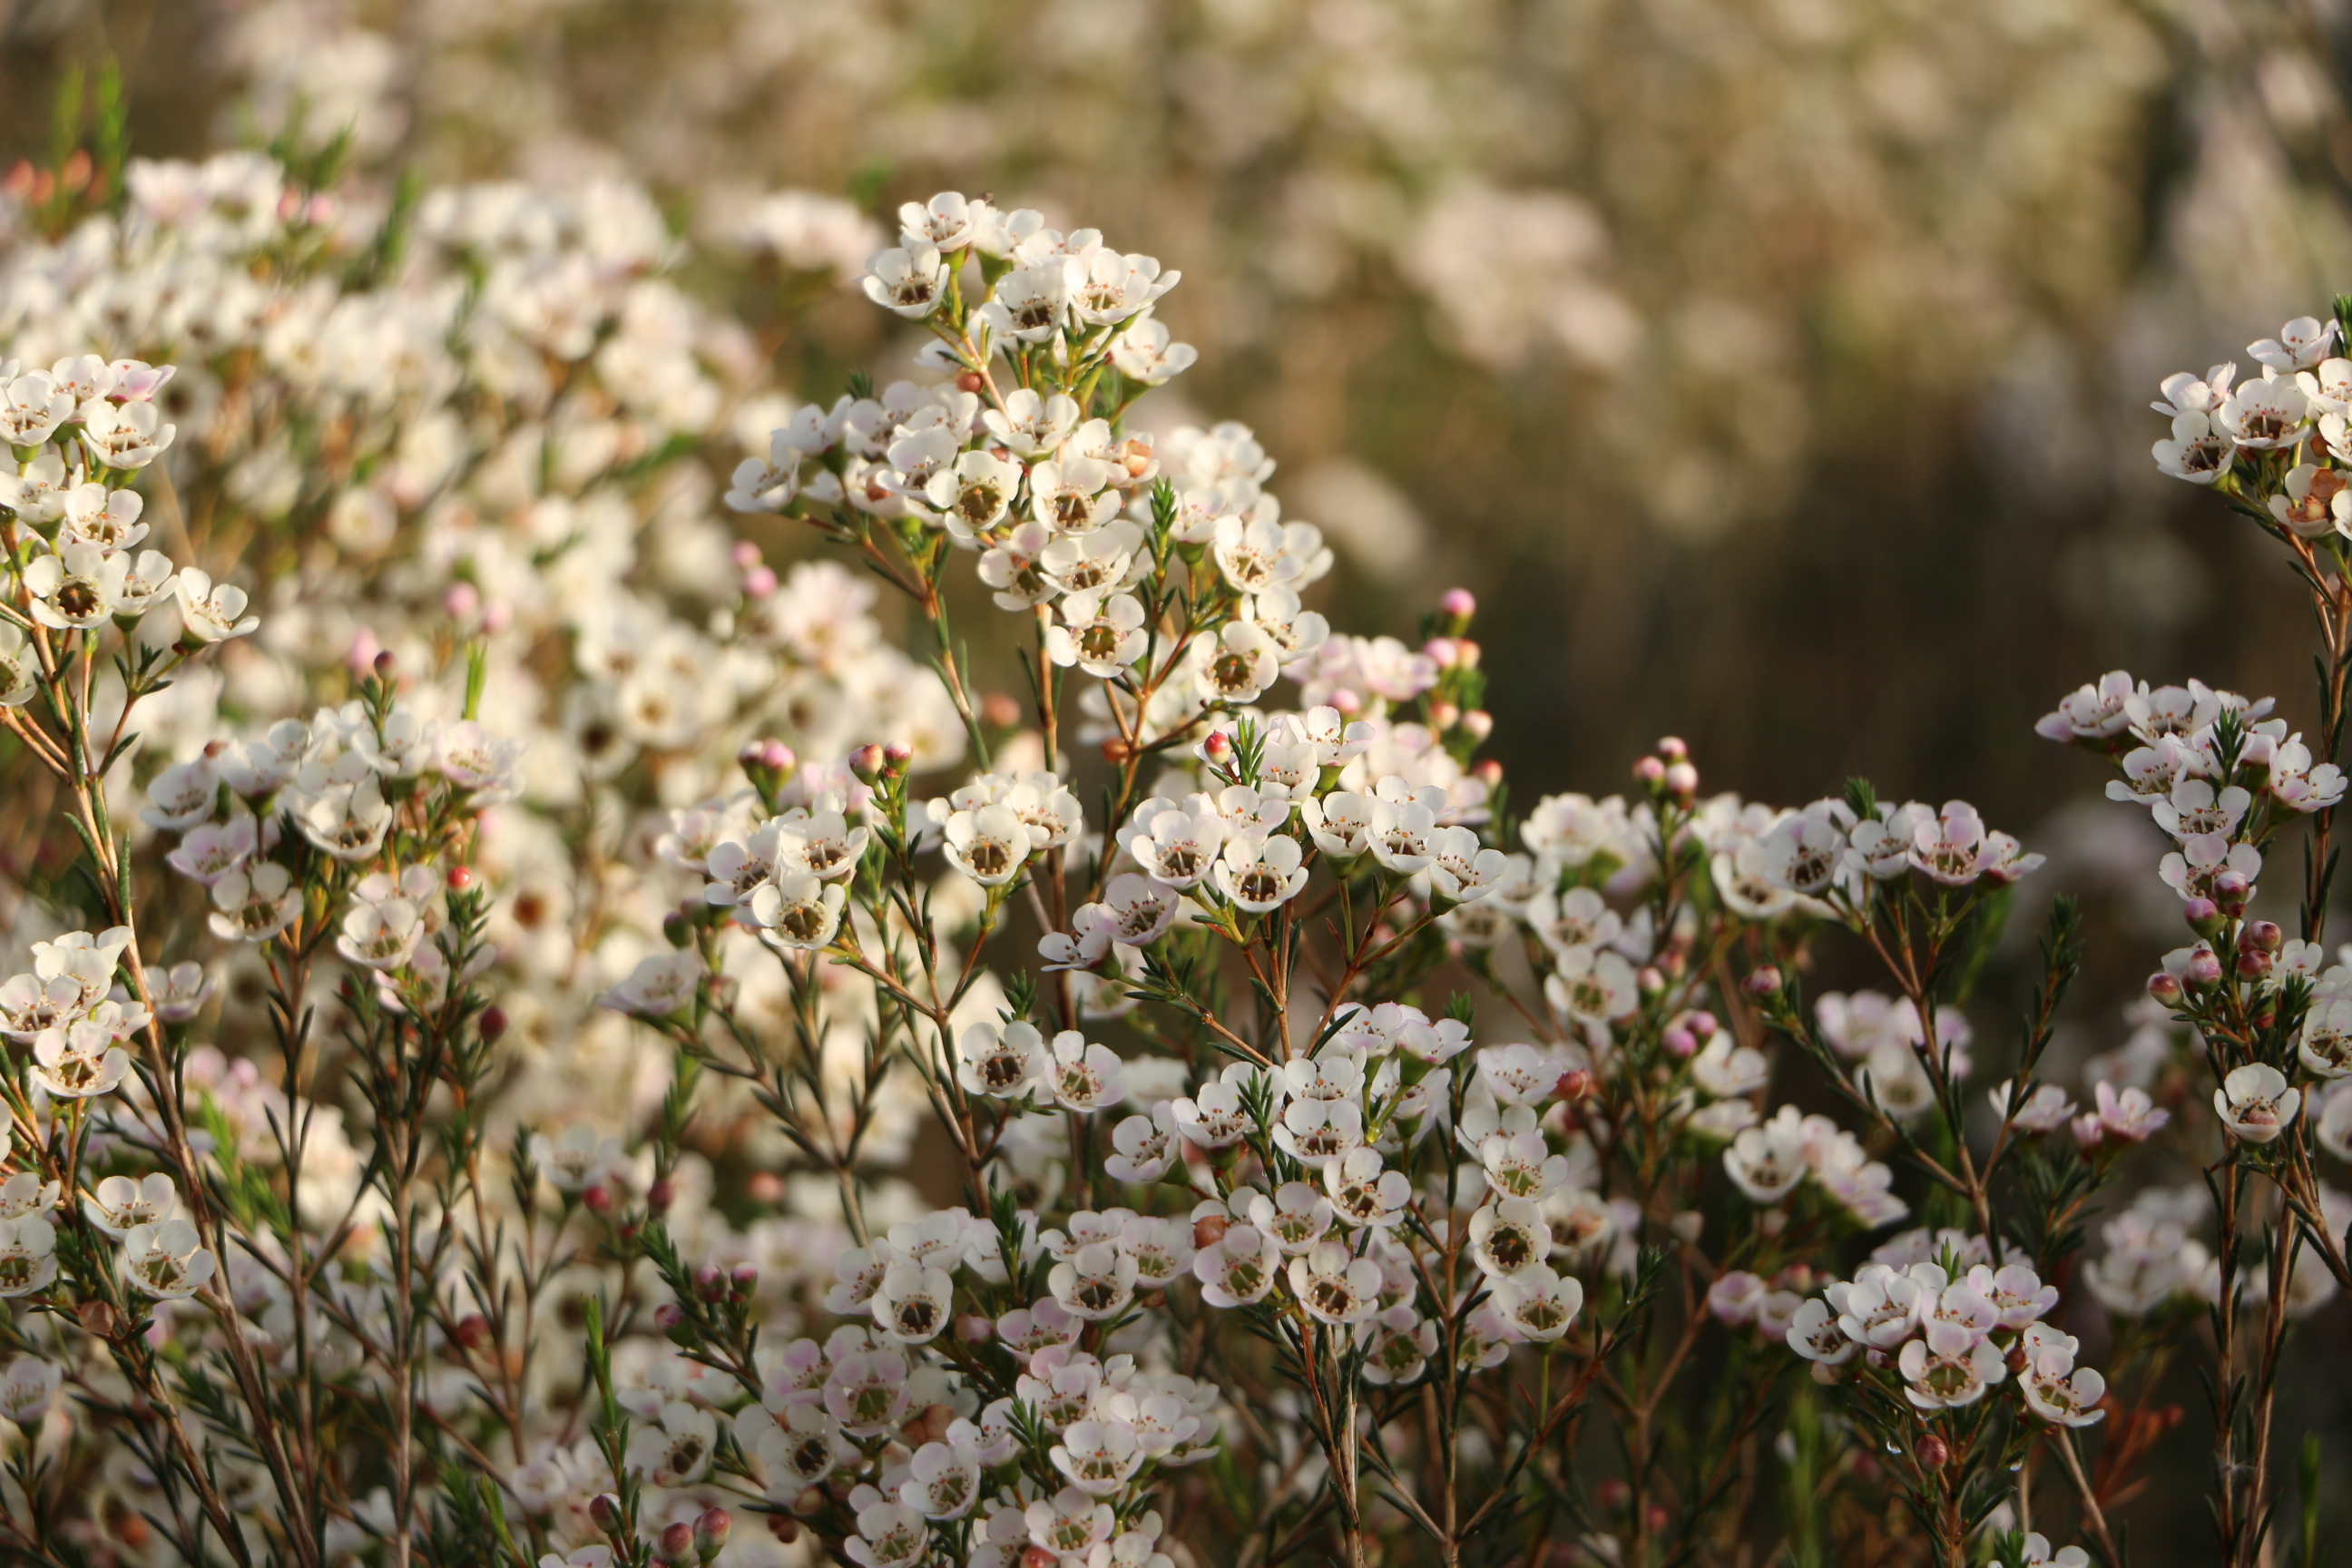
point(2204, 968)
point(597, 1199)
point(1574, 1084)
point(745, 554)
point(2263, 935)
point(974, 1328)
point(2230, 890)
point(1347, 701)
point(1672, 747)
point(364, 647)
point(1477, 723)
point(461, 601)
point(897, 755)
point(1648, 978)
point(605, 1512)
point(675, 1543)
point(2204, 916)
point(759, 583)
point(497, 616)
point(1681, 1043)
point(1459, 602)
point(2252, 964)
point(660, 1196)
point(668, 1315)
point(2165, 986)
point(1488, 772)
point(866, 761)
point(1764, 981)
point(1702, 1023)
point(743, 1279)
point(1682, 780)
point(1443, 715)
point(1649, 771)
point(711, 1532)
point(1466, 653)
point(711, 1282)
point(1439, 650)
point(1933, 1452)
point(1219, 746)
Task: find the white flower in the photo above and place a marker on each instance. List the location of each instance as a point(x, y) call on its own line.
point(989, 845)
point(1260, 873)
point(1083, 1077)
point(125, 435)
point(1767, 1162)
point(1030, 425)
point(975, 494)
point(76, 588)
point(210, 612)
point(1214, 1117)
point(80, 1060)
point(27, 1256)
point(1340, 822)
point(1509, 1236)
point(945, 224)
point(1143, 1146)
point(123, 1205)
point(943, 1479)
point(105, 518)
point(1099, 1456)
point(913, 1303)
point(662, 984)
point(20, 668)
point(1459, 868)
point(2301, 343)
point(2195, 452)
point(255, 903)
point(1094, 1282)
point(1537, 1303)
point(1144, 353)
point(1003, 1061)
point(1364, 1191)
point(1815, 1335)
point(28, 1386)
point(1592, 985)
point(166, 1260)
point(2262, 415)
point(909, 283)
point(1237, 1268)
point(2256, 1102)
point(1101, 634)
point(31, 408)
point(1139, 909)
point(381, 936)
point(2055, 1390)
point(1949, 1368)
point(1334, 1286)
point(1238, 664)
point(675, 1449)
point(1106, 287)
point(581, 1159)
point(795, 910)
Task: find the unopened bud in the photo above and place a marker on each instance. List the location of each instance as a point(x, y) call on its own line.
point(711, 1532)
point(1651, 771)
point(660, 1196)
point(975, 1330)
point(1702, 1023)
point(2252, 964)
point(970, 381)
point(492, 1023)
point(1933, 1452)
point(787, 1529)
point(460, 878)
point(2264, 936)
point(473, 1331)
point(1681, 1043)
point(745, 556)
point(998, 710)
point(2204, 967)
point(677, 931)
point(711, 1282)
point(96, 1317)
point(1477, 723)
point(2204, 916)
point(675, 1543)
point(1443, 715)
point(2230, 890)
point(1488, 772)
point(896, 756)
point(461, 601)
point(1219, 747)
point(384, 662)
point(774, 753)
point(1439, 651)
point(597, 1199)
point(1648, 978)
point(743, 1279)
point(668, 1315)
point(1688, 1225)
point(866, 761)
point(1459, 602)
point(1466, 653)
point(1347, 701)
point(1210, 1229)
point(1682, 780)
point(1764, 981)
point(1574, 1084)
point(1035, 1556)
point(1672, 747)
point(2165, 986)
point(759, 583)
point(605, 1512)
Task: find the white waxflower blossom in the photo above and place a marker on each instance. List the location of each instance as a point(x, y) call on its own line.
point(1260, 872)
point(2256, 1102)
point(1334, 1286)
point(906, 282)
point(1083, 1077)
point(120, 1205)
point(1537, 1304)
point(795, 911)
point(27, 1256)
point(20, 668)
point(29, 1387)
point(989, 845)
point(166, 1260)
point(676, 1448)
point(255, 903)
point(76, 588)
point(1003, 1061)
point(80, 1060)
point(1101, 634)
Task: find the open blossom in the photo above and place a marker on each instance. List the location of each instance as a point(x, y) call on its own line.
point(2255, 1103)
point(166, 1260)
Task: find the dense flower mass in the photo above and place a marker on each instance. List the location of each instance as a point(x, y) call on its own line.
point(527, 951)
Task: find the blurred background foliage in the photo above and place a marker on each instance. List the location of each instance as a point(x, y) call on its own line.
point(1775, 371)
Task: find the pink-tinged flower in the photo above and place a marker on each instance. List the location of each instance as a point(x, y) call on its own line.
point(1949, 1369)
point(1815, 1335)
point(1951, 849)
point(2091, 712)
point(2196, 451)
point(2129, 1114)
point(1735, 1296)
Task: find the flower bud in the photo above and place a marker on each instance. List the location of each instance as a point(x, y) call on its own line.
point(605, 1512)
point(1466, 653)
point(760, 583)
point(2204, 916)
point(383, 663)
point(1477, 723)
point(677, 931)
point(473, 1331)
point(1764, 981)
point(1346, 702)
point(2204, 968)
point(975, 1330)
point(1488, 772)
point(1682, 780)
point(999, 710)
point(745, 556)
point(2252, 964)
point(711, 1532)
point(866, 761)
point(660, 1196)
point(461, 601)
point(711, 1282)
point(1218, 748)
point(1574, 1084)
point(785, 1528)
point(675, 1543)
point(2230, 890)
point(597, 1199)
point(1035, 1556)
point(492, 1023)
point(2165, 986)
point(98, 1318)
point(1933, 1452)
point(897, 756)
point(1210, 1229)
point(1439, 651)
point(1648, 978)
point(1681, 1043)
point(774, 753)
point(1672, 747)
point(1459, 602)
point(1651, 771)
point(2263, 936)
point(1689, 1225)
point(1443, 715)
point(668, 1315)
point(742, 1279)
